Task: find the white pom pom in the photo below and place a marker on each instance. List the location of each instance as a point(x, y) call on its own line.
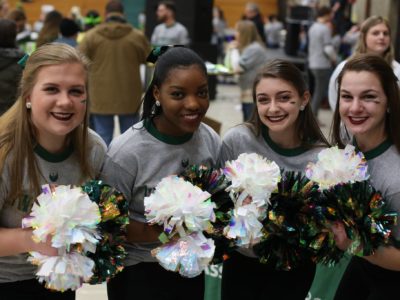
point(189, 255)
point(254, 176)
point(61, 273)
point(245, 226)
point(336, 166)
point(176, 202)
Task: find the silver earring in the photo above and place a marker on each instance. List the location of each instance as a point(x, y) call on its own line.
point(388, 111)
point(28, 105)
point(302, 107)
point(158, 103)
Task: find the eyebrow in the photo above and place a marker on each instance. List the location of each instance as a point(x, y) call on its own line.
point(180, 87)
point(279, 93)
point(363, 92)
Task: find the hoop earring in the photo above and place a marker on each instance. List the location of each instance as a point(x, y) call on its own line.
point(28, 105)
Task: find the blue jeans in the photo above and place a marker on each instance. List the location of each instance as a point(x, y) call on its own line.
point(247, 110)
point(104, 124)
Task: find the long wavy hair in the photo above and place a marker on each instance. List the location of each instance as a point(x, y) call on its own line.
point(247, 34)
point(361, 47)
point(307, 127)
point(18, 134)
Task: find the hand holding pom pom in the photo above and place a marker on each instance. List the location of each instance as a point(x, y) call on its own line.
point(65, 218)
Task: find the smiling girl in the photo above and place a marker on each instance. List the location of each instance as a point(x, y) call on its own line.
point(375, 38)
point(170, 136)
point(369, 106)
point(44, 139)
point(284, 130)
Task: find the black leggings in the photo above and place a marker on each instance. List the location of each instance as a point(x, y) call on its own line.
point(32, 290)
point(150, 281)
point(366, 281)
point(246, 278)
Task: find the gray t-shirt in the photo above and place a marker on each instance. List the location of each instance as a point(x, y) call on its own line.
point(241, 139)
point(319, 36)
point(252, 58)
point(137, 161)
point(176, 34)
point(383, 167)
point(60, 169)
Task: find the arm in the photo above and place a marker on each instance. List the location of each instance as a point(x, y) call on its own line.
point(386, 257)
point(138, 232)
point(18, 240)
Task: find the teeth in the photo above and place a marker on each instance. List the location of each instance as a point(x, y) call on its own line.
point(278, 118)
point(64, 116)
point(191, 117)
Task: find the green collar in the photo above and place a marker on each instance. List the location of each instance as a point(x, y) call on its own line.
point(378, 150)
point(168, 139)
point(278, 149)
point(53, 157)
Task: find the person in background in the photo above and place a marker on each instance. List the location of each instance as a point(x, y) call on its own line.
point(170, 137)
point(23, 28)
point(219, 26)
point(10, 71)
point(321, 56)
point(44, 139)
point(91, 19)
point(69, 32)
point(76, 16)
point(4, 8)
point(252, 13)
point(369, 107)
point(374, 37)
point(272, 30)
point(44, 10)
point(252, 56)
point(117, 50)
point(51, 28)
point(169, 32)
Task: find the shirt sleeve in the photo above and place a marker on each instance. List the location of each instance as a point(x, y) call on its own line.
point(114, 175)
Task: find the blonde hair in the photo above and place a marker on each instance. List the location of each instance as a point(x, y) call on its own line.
point(17, 132)
point(247, 34)
point(372, 21)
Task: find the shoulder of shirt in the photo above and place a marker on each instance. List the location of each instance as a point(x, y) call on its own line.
point(206, 129)
point(96, 141)
point(240, 130)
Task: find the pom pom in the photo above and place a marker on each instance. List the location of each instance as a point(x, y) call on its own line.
point(110, 253)
point(70, 218)
point(254, 176)
point(336, 166)
point(214, 182)
point(291, 232)
point(61, 273)
point(176, 203)
point(362, 211)
point(244, 225)
point(189, 255)
point(68, 215)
